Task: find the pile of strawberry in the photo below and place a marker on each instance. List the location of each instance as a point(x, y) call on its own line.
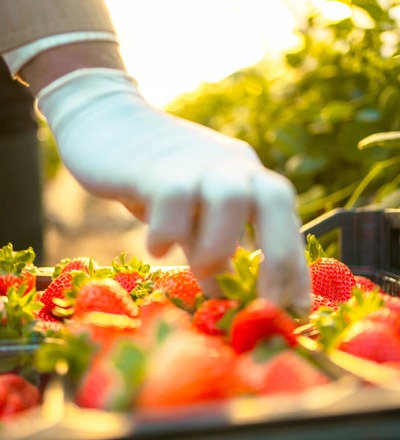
point(130, 337)
point(350, 312)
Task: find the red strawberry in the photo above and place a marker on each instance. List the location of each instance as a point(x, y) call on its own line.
point(210, 312)
point(392, 302)
point(261, 320)
point(370, 340)
point(113, 377)
point(16, 267)
point(387, 317)
point(103, 295)
point(104, 329)
point(128, 280)
point(365, 284)
point(187, 368)
point(318, 301)
point(285, 372)
point(156, 316)
point(16, 395)
point(128, 274)
point(181, 287)
point(77, 263)
point(116, 369)
point(55, 290)
point(330, 278)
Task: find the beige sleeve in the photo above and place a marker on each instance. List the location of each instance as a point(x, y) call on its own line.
point(23, 21)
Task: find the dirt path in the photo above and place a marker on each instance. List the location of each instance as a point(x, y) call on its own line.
point(79, 224)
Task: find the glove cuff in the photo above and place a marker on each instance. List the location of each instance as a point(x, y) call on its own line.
point(81, 87)
point(17, 58)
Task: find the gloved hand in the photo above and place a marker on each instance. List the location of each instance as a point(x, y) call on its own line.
point(192, 185)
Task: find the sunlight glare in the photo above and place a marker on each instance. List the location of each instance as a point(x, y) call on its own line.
point(172, 47)
point(332, 10)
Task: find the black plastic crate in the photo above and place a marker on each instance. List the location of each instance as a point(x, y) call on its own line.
point(368, 239)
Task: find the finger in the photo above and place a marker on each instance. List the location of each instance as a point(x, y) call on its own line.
point(283, 274)
point(170, 219)
point(225, 206)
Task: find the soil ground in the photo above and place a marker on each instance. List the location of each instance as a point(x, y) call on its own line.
point(78, 224)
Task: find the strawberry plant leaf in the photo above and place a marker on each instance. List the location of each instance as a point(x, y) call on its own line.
point(389, 139)
point(314, 250)
point(265, 350)
point(15, 261)
point(74, 351)
point(130, 361)
point(225, 323)
point(241, 285)
point(162, 332)
point(20, 308)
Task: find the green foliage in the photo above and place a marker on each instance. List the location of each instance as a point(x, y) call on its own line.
point(50, 157)
point(307, 114)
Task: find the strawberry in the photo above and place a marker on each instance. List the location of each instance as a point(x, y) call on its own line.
point(187, 368)
point(371, 340)
point(113, 378)
point(16, 267)
point(157, 319)
point(366, 284)
point(285, 372)
point(210, 312)
point(16, 395)
point(330, 278)
point(128, 274)
point(388, 317)
point(103, 295)
point(55, 290)
point(391, 302)
point(117, 368)
point(102, 328)
point(318, 301)
point(181, 287)
point(260, 320)
point(78, 263)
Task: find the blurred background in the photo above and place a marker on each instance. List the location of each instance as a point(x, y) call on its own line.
point(303, 81)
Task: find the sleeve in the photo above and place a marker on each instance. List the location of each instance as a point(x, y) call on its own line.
point(24, 21)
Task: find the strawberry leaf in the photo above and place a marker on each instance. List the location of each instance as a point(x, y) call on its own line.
point(314, 250)
point(15, 261)
point(133, 265)
point(265, 350)
point(20, 308)
point(225, 323)
point(241, 285)
point(130, 361)
point(333, 324)
point(73, 351)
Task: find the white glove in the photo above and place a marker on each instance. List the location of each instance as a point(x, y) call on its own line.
point(192, 185)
